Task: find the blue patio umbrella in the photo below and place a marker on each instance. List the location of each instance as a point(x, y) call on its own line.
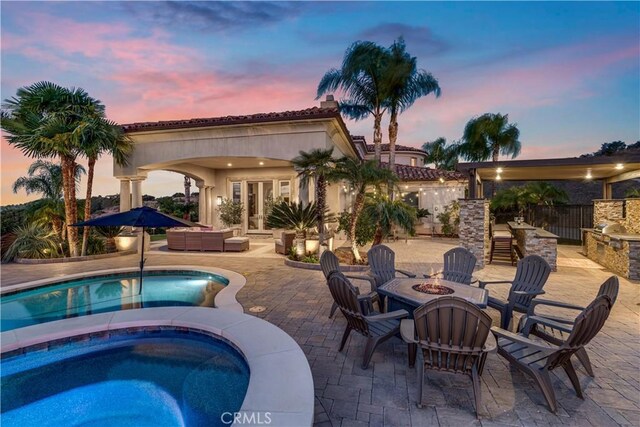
point(143, 217)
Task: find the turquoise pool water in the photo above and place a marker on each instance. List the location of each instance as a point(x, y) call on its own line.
point(166, 378)
point(108, 293)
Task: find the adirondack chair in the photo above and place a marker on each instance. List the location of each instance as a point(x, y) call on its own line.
point(538, 358)
point(377, 328)
point(453, 335)
point(329, 263)
point(556, 329)
point(532, 273)
point(382, 261)
point(458, 266)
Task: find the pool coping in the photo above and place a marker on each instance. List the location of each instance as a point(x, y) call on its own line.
point(225, 299)
point(274, 358)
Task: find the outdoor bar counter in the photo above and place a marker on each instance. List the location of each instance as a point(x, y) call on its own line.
point(536, 241)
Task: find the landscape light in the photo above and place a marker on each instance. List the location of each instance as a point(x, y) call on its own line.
point(229, 164)
point(499, 170)
point(498, 177)
point(261, 163)
point(589, 176)
point(619, 166)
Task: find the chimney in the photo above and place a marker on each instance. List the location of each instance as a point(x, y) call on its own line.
point(329, 102)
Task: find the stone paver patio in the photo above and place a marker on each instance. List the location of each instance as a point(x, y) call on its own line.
point(298, 301)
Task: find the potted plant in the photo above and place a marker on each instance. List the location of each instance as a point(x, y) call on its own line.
point(230, 213)
point(294, 216)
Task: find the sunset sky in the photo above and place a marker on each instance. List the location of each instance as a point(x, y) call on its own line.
point(566, 73)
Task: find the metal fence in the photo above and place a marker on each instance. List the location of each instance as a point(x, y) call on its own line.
point(564, 221)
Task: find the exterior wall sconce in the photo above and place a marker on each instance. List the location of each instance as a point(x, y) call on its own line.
point(218, 200)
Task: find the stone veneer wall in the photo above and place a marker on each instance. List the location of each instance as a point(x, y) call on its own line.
point(624, 261)
point(607, 210)
point(529, 242)
point(474, 228)
point(632, 218)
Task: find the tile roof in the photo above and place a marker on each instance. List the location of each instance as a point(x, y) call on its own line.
point(416, 173)
point(385, 148)
point(309, 113)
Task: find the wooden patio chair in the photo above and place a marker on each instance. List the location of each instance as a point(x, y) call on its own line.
point(556, 329)
point(532, 273)
point(459, 264)
point(453, 335)
point(356, 308)
point(329, 263)
point(538, 358)
point(382, 261)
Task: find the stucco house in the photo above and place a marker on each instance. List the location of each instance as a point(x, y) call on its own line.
point(248, 159)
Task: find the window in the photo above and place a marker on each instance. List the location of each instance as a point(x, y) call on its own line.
point(235, 192)
point(411, 198)
point(414, 161)
point(285, 190)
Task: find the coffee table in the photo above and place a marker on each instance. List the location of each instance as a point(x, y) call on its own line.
point(401, 295)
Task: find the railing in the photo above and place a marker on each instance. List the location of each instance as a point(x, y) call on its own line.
point(564, 221)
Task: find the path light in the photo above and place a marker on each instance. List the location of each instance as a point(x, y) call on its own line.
point(619, 166)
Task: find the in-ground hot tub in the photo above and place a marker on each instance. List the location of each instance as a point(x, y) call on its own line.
point(179, 387)
point(127, 377)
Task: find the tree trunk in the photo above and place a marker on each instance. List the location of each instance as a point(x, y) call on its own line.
point(393, 136)
point(87, 205)
point(377, 137)
point(70, 208)
point(321, 204)
point(111, 245)
point(377, 238)
point(358, 204)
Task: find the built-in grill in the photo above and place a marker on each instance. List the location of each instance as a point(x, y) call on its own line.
point(609, 227)
point(604, 230)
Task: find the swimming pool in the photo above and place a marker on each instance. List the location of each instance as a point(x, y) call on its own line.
point(142, 378)
point(109, 292)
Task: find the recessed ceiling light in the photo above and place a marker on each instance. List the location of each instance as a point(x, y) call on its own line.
point(229, 164)
point(619, 166)
point(261, 163)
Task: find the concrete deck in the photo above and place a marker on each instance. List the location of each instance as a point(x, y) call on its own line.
point(298, 301)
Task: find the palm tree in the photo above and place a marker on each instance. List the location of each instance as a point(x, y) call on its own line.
point(443, 156)
point(543, 193)
point(101, 136)
point(403, 85)
point(360, 79)
point(33, 241)
point(316, 164)
point(360, 176)
point(46, 120)
point(387, 213)
point(294, 216)
point(489, 136)
point(45, 178)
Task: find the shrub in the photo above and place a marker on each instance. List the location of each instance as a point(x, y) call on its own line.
point(230, 212)
point(450, 219)
point(365, 228)
point(35, 242)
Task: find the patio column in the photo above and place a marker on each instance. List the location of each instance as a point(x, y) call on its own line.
point(125, 195)
point(136, 193)
point(474, 228)
point(210, 205)
point(202, 204)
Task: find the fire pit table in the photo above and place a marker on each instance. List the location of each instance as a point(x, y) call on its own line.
point(409, 294)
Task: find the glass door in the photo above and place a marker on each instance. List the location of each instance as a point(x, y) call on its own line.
point(259, 196)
